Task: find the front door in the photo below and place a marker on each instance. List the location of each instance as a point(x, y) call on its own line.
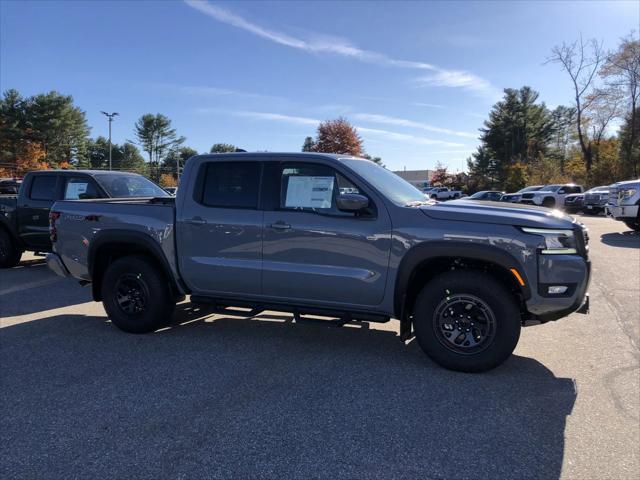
point(220, 230)
point(313, 252)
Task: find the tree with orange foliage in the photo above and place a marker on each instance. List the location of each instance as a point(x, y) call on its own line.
point(338, 136)
point(168, 180)
point(440, 175)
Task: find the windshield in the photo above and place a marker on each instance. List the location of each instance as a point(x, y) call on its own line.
point(478, 194)
point(122, 186)
point(388, 183)
point(551, 188)
point(530, 189)
point(599, 189)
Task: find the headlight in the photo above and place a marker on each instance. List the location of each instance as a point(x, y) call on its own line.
point(628, 193)
point(557, 242)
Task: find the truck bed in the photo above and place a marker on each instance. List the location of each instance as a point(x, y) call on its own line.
point(82, 224)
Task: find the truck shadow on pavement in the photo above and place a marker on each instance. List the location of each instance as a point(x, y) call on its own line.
point(628, 239)
point(223, 397)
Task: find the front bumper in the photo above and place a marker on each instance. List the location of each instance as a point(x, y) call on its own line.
point(56, 266)
point(620, 212)
point(571, 270)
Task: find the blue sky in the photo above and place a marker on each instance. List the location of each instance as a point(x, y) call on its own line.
point(416, 78)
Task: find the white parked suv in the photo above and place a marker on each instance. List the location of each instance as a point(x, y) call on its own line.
point(551, 196)
point(443, 193)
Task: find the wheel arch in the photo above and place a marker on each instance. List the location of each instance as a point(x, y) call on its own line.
point(426, 260)
point(110, 245)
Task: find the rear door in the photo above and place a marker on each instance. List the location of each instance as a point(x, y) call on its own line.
point(33, 210)
point(220, 229)
point(313, 252)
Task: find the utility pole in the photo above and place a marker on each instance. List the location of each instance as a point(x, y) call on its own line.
point(110, 117)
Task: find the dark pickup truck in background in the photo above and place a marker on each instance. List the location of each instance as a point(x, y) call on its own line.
point(328, 235)
point(24, 218)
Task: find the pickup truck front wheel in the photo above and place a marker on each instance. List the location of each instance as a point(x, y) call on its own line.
point(466, 321)
point(136, 295)
point(9, 253)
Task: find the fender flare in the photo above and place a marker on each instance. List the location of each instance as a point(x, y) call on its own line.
point(138, 239)
point(433, 250)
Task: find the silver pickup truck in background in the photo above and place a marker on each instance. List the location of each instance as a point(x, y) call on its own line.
point(329, 235)
point(624, 203)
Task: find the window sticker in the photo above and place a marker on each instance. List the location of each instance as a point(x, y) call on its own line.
point(74, 190)
point(309, 192)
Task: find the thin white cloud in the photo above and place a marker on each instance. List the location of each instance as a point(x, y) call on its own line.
point(401, 122)
point(403, 137)
point(327, 44)
point(459, 79)
point(307, 121)
point(278, 117)
point(210, 91)
point(428, 105)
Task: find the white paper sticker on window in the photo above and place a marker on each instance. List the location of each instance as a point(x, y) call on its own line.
point(309, 192)
point(74, 190)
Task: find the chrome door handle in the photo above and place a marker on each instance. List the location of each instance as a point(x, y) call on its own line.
point(280, 226)
point(196, 221)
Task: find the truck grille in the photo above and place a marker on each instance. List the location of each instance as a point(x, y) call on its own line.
point(595, 199)
point(613, 196)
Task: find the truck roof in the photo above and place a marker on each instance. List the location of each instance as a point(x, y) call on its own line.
point(267, 155)
point(86, 172)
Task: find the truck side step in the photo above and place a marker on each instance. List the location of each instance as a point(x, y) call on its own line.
point(338, 318)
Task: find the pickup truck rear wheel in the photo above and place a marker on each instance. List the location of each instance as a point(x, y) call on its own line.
point(9, 253)
point(466, 321)
point(549, 202)
point(136, 295)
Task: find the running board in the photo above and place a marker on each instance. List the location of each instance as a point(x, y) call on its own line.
point(338, 318)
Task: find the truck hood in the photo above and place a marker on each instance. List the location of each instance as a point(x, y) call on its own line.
point(499, 213)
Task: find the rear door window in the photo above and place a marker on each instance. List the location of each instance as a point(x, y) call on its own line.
point(43, 187)
point(231, 185)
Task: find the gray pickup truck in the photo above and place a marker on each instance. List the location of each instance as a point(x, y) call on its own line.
point(333, 236)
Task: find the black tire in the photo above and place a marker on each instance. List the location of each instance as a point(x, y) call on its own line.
point(10, 254)
point(136, 295)
point(434, 197)
point(549, 202)
point(494, 310)
point(633, 224)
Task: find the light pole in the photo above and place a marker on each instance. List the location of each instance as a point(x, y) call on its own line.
point(110, 117)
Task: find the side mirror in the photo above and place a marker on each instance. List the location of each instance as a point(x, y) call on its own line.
point(351, 202)
point(561, 191)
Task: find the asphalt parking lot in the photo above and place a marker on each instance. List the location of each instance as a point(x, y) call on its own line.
point(230, 397)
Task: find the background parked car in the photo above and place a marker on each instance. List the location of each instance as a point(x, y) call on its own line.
point(486, 195)
point(551, 196)
point(595, 200)
point(9, 186)
point(443, 193)
point(24, 219)
point(573, 203)
point(515, 197)
point(624, 203)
